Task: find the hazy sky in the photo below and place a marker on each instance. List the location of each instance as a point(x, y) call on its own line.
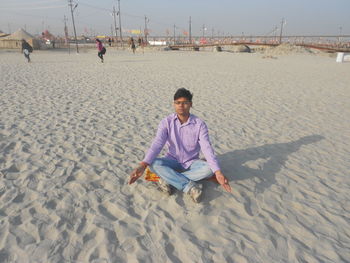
point(252, 17)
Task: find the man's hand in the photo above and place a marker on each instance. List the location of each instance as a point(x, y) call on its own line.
point(223, 181)
point(137, 173)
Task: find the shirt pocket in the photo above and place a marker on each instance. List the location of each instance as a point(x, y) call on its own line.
point(190, 138)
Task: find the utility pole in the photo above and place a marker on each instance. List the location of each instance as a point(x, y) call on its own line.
point(112, 34)
point(115, 24)
point(203, 28)
point(146, 30)
point(75, 32)
point(190, 31)
point(281, 30)
point(65, 29)
point(174, 33)
point(275, 33)
point(120, 25)
point(66, 32)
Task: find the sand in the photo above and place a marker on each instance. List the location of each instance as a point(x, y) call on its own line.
point(72, 129)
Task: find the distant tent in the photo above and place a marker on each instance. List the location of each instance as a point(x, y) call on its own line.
point(14, 40)
point(2, 34)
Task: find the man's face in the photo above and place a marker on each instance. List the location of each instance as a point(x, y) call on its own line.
point(182, 106)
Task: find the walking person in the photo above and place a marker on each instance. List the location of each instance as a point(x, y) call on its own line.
point(26, 49)
point(101, 49)
point(141, 44)
point(132, 45)
point(185, 135)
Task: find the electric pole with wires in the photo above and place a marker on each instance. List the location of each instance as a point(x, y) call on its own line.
point(120, 25)
point(70, 3)
point(146, 30)
point(115, 25)
point(281, 32)
point(190, 31)
point(66, 38)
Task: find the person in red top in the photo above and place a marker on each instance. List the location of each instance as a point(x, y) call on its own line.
point(101, 49)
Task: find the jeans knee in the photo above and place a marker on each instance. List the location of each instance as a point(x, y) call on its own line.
point(157, 163)
point(204, 166)
point(205, 170)
point(208, 170)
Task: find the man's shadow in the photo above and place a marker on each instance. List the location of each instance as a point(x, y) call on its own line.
point(263, 162)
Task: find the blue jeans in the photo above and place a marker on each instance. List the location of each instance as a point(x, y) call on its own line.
point(182, 179)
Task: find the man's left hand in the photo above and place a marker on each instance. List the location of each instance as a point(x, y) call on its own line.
point(223, 181)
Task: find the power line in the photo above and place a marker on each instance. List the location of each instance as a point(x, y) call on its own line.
point(127, 14)
point(88, 15)
point(130, 15)
point(96, 7)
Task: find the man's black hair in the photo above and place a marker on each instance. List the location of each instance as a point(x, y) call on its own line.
point(183, 93)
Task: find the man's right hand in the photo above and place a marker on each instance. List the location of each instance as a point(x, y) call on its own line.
point(137, 173)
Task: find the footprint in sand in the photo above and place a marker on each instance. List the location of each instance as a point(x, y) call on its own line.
point(9, 148)
point(250, 205)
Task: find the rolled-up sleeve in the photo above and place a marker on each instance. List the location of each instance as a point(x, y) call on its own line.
point(158, 142)
point(207, 148)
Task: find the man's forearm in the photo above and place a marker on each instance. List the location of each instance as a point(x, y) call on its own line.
point(218, 172)
point(144, 164)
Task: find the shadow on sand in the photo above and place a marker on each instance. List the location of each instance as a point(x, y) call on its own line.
point(267, 162)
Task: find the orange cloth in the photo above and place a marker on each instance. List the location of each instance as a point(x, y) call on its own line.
point(151, 176)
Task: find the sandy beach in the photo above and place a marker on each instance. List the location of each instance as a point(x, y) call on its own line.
point(72, 129)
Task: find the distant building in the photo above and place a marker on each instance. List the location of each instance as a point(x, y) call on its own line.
point(14, 41)
point(2, 34)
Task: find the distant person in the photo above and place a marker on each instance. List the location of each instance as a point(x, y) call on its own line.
point(110, 42)
point(185, 135)
point(132, 45)
point(101, 49)
point(141, 43)
point(26, 49)
point(53, 43)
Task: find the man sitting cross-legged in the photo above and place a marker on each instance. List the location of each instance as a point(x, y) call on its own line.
point(185, 135)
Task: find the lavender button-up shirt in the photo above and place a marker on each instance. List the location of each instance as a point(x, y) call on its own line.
point(184, 142)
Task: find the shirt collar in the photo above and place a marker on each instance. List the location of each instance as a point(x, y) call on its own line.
point(191, 119)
